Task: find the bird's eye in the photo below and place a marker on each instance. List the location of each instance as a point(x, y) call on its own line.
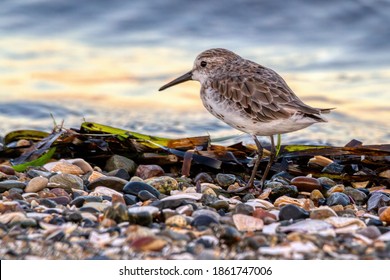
point(203, 63)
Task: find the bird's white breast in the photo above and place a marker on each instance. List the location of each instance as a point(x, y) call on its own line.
point(231, 113)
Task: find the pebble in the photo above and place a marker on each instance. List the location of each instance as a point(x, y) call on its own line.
point(80, 200)
point(145, 195)
point(326, 182)
point(110, 182)
point(149, 243)
point(36, 184)
point(135, 187)
point(176, 221)
point(163, 184)
point(203, 177)
point(247, 223)
point(143, 218)
point(64, 167)
point(220, 205)
point(117, 212)
point(266, 216)
point(316, 195)
point(377, 200)
point(120, 173)
point(293, 212)
point(359, 197)
point(8, 170)
point(307, 226)
point(149, 171)
point(337, 198)
point(333, 168)
point(10, 184)
point(287, 190)
point(306, 184)
point(243, 208)
point(120, 162)
point(371, 232)
point(203, 221)
point(322, 212)
point(225, 180)
point(130, 199)
point(385, 215)
point(66, 181)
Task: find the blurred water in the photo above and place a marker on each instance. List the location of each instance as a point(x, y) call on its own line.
point(103, 61)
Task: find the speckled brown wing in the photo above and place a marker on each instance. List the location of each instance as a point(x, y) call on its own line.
point(262, 94)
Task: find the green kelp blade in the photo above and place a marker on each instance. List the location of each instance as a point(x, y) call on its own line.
point(147, 140)
point(33, 135)
point(301, 148)
point(36, 162)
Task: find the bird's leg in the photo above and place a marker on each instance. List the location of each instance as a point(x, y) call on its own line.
point(270, 162)
point(257, 163)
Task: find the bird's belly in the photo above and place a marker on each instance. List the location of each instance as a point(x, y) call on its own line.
point(230, 113)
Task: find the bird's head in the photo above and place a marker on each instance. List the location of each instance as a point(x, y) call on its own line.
point(206, 64)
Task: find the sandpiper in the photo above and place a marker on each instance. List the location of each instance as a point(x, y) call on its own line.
point(249, 97)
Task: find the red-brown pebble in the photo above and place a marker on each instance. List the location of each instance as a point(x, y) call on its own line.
point(385, 215)
point(306, 184)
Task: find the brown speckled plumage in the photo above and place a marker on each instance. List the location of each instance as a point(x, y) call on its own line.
point(248, 96)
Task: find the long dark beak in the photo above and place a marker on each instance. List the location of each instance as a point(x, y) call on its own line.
point(181, 79)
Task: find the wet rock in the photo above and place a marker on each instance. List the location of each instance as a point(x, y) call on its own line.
point(145, 195)
point(93, 207)
point(10, 184)
point(333, 168)
point(203, 177)
point(377, 200)
point(247, 223)
point(220, 205)
point(345, 224)
point(149, 171)
point(316, 195)
point(135, 187)
point(142, 218)
point(374, 222)
point(130, 199)
point(359, 197)
point(176, 221)
point(307, 226)
point(225, 180)
point(203, 221)
point(66, 181)
point(149, 243)
point(322, 213)
point(120, 173)
point(243, 208)
point(335, 189)
point(82, 164)
point(120, 162)
point(59, 192)
point(385, 174)
point(306, 184)
point(385, 215)
point(338, 198)
point(80, 200)
point(8, 170)
point(248, 197)
point(326, 182)
point(36, 184)
point(64, 167)
point(32, 173)
point(371, 232)
point(207, 241)
point(117, 212)
point(110, 182)
point(230, 235)
point(292, 211)
point(149, 209)
point(163, 184)
point(62, 200)
point(287, 190)
point(266, 216)
point(49, 203)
